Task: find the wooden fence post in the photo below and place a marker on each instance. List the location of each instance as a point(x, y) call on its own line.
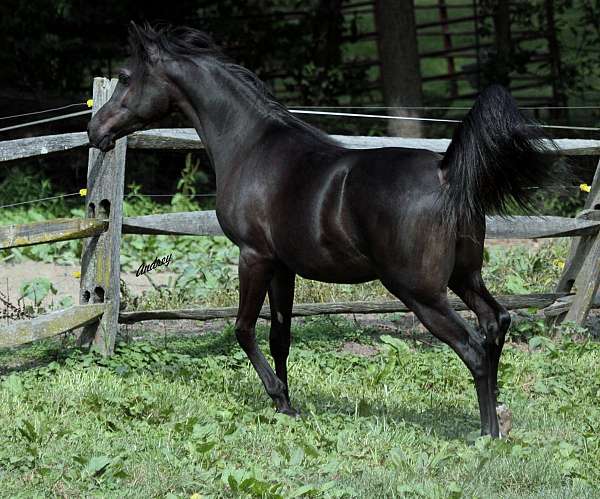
point(100, 258)
point(582, 267)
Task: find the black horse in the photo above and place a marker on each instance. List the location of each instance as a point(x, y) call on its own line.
point(297, 202)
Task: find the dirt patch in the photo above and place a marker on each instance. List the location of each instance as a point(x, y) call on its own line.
point(359, 349)
point(65, 279)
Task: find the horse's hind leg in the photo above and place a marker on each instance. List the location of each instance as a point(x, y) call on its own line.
point(493, 318)
point(255, 273)
point(434, 312)
point(281, 300)
point(467, 283)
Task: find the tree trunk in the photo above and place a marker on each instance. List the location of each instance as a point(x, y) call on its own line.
point(400, 68)
point(503, 42)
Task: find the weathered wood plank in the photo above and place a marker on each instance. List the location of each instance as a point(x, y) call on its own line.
point(165, 138)
point(587, 284)
point(49, 325)
point(578, 147)
point(511, 302)
point(187, 138)
point(205, 223)
point(60, 229)
point(523, 227)
point(100, 264)
point(192, 223)
point(562, 305)
point(40, 146)
point(580, 246)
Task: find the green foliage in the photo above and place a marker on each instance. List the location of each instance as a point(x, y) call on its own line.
point(550, 203)
point(36, 291)
point(524, 269)
point(23, 184)
point(189, 416)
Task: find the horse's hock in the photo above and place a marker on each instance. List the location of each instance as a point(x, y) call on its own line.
point(98, 311)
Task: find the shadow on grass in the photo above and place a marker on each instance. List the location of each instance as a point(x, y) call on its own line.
point(448, 423)
point(34, 355)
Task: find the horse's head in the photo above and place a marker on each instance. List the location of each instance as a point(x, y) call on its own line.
point(142, 94)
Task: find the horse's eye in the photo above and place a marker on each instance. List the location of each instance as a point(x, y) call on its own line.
point(124, 79)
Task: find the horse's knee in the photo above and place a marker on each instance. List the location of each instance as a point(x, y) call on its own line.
point(491, 332)
point(495, 330)
point(245, 336)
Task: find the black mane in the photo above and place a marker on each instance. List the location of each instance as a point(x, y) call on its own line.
point(179, 42)
point(183, 42)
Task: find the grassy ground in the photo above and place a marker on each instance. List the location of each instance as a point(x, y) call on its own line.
point(184, 415)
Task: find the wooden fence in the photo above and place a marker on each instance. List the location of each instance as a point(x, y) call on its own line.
point(98, 310)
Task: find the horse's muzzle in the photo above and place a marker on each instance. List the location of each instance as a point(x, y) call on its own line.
point(104, 142)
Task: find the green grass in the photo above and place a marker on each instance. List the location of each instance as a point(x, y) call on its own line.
point(170, 417)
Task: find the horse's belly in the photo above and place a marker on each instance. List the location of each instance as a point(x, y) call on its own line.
point(338, 263)
point(339, 274)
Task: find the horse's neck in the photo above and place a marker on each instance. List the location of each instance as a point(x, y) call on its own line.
point(229, 116)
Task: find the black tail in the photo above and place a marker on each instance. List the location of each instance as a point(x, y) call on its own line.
point(495, 157)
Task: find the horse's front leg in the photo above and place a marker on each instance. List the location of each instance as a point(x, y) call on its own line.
point(255, 274)
point(281, 300)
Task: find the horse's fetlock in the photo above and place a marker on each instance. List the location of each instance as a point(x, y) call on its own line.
point(277, 389)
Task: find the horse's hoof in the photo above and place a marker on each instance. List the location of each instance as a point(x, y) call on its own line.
point(289, 411)
point(504, 420)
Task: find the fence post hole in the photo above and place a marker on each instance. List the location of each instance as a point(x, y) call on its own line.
point(100, 258)
point(582, 267)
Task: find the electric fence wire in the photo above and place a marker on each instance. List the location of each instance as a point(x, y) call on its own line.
point(212, 195)
point(130, 195)
point(311, 111)
point(43, 111)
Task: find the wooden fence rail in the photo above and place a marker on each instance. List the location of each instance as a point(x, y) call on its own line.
point(511, 302)
point(187, 139)
point(98, 312)
point(205, 223)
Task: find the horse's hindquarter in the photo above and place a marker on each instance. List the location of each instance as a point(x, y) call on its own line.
point(395, 197)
